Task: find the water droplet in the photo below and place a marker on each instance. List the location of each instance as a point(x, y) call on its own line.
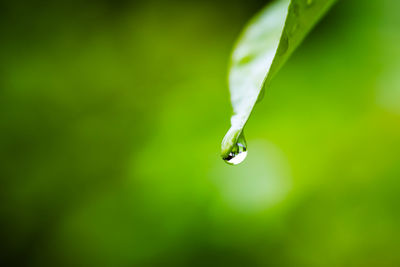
point(309, 2)
point(296, 9)
point(292, 21)
point(292, 28)
point(238, 152)
point(261, 95)
point(284, 44)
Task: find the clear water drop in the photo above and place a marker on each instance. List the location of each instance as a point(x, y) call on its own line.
point(293, 28)
point(284, 44)
point(261, 95)
point(296, 9)
point(238, 152)
point(309, 2)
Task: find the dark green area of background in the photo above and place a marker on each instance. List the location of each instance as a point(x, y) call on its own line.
point(111, 117)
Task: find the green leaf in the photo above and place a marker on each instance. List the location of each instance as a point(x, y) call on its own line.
point(263, 47)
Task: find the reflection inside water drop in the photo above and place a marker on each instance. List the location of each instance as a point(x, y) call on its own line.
point(235, 159)
point(238, 152)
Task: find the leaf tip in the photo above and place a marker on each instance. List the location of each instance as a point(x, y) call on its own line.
point(229, 141)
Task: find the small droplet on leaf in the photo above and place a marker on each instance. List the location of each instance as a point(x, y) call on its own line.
point(296, 9)
point(292, 29)
point(261, 95)
point(284, 44)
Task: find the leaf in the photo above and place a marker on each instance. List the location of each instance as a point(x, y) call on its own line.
point(263, 47)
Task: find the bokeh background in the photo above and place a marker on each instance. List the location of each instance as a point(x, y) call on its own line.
point(111, 117)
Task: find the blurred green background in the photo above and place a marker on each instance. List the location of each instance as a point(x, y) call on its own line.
point(111, 117)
